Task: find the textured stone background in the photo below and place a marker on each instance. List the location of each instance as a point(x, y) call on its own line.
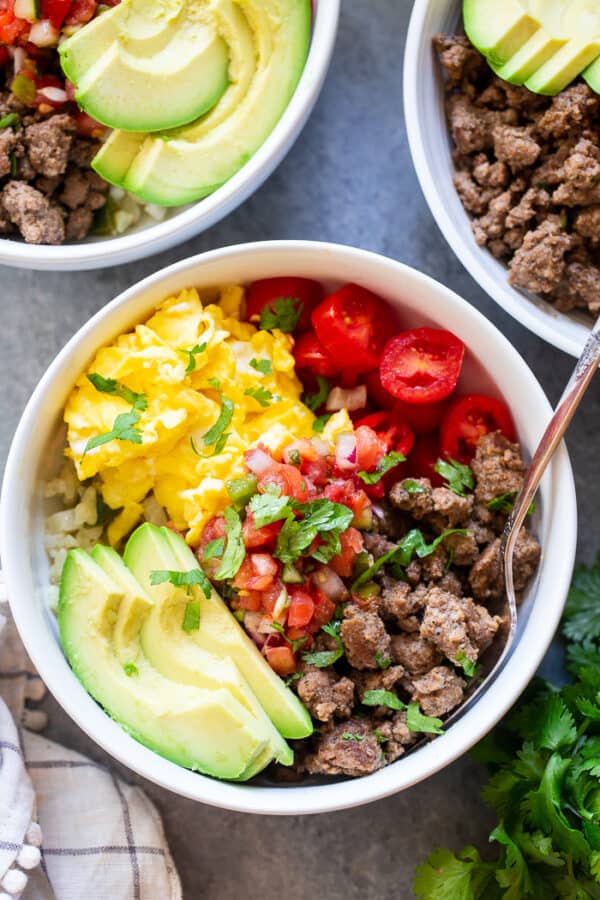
point(348, 179)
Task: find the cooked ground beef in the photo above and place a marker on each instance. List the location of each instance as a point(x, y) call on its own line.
point(415, 637)
point(48, 193)
point(528, 171)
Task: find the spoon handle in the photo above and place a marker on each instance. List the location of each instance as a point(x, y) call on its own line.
point(578, 383)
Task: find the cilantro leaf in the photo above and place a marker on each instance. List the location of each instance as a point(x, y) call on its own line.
point(283, 313)
point(191, 616)
point(582, 612)
point(399, 557)
point(296, 643)
point(383, 698)
point(445, 876)
point(220, 444)
point(268, 508)
point(191, 355)
point(10, 120)
point(416, 721)
point(321, 659)
point(384, 662)
point(318, 517)
point(504, 503)
point(214, 434)
point(124, 429)
point(350, 736)
point(390, 461)
point(262, 365)
point(111, 386)
point(459, 478)
point(413, 487)
point(467, 665)
point(182, 579)
point(214, 549)
point(320, 423)
point(261, 395)
point(315, 401)
point(130, 668)
point(235, 551)
point(556, 726)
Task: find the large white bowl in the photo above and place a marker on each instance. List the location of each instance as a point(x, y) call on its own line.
point(182, 224)
point(492, 364)
point(430, 145)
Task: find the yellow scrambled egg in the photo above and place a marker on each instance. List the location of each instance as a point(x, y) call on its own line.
point(187, 476)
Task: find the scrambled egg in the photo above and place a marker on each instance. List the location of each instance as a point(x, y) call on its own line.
point(188, 478)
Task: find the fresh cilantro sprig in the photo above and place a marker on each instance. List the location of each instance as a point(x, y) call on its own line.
point(412, 544)
point(458, 477)
point(319, 518)
point(383, 698)
point(262, 396)
point(125, 425)
point(262, 365)
point(315, 401)
point(415, 720)
point(235, 550)
point(217, 436)
point(283, 313)
point(191, 355)
point(182, 579)
point(104, 385)
point(413, 487)
point(467, 665)
point(214, 549)
point(544, 764)
point(385, 464)
point(322, 659)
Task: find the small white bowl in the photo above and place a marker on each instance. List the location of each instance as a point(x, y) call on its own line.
point(180, 224)
point(492, 365)
point(430, 146)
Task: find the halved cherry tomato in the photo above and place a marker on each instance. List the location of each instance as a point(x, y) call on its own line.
point(468, 419)
point(422, 365)
point(353, 325)
point(56, 11)
point(352, 544)
point(289, 479)
point(311, 356)
point(281, 659)
point(301, 608)
point(422, 418)
point(266, 291)
point(369, 448)
point(391, 430)
point(422, 460)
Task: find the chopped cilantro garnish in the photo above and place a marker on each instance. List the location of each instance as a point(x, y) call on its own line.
point(182, 579)
point(383, 698)
point(412, 543)
point(10, 120)
point(215, 383)
point(262, 365)
point(380, 738)
point(292, 678)
point(321, 659)
point(350, 736)
point(220, 445)
point(459, 478)
point(124, 429)
point(416, 721)
point(320, 423)
point(214, 549)
point(191, 355)
point(384, 662)
point(319, 517)
point(294, 644)
point(315, 401)
point(388, 462)
point(191, 616)
point(235, 551)
point(214, 434)
point(129, 668)
point(283, 313)
point(504, 503)
point(413, 487)
point(295, 458)
point(261, 395)
point(269, 507)
point(111, 386)
point(467, 665)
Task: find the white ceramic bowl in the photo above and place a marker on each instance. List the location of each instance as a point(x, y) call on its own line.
point(492, 365)
point(430, 146)
point(186, 222)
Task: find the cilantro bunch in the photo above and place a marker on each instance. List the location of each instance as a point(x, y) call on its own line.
point(544, 762)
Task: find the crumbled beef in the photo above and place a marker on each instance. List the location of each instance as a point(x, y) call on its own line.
point(456, 625)
point(485, 576)
point(527, 170)
point(383, 680)
point(325, 695)
point(38, 221)
point(439, 691)
point(49, 194)
point(350, 748)
point(462, 549)
point(450, 509)
point(395, 736)
point(366, 642)
point(414, 653)
point(418, 501)
point(377, 544)
point(397, 601)
point(498, 467)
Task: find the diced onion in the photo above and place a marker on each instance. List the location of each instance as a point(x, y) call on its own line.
point(258, 461)
point(23, 10)
point(252, 623)
point(19, 57)
point(347, 398)
point(43, 34)
point(345, 452)
point(330, 583)
point(54, 94)
point(320, 446)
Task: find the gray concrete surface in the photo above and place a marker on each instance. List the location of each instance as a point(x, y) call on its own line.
point(349, 179)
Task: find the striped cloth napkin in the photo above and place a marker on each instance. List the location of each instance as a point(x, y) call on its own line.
point(69, 828)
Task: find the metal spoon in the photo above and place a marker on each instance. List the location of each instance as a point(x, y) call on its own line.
point(561, 419)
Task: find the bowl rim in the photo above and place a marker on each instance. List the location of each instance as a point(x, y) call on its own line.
point(543, 322)
point(204, 213)
point(554, 573)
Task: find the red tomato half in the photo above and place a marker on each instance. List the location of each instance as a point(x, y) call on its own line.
point(311, 356)
point(422, 460)
point(468, 419)
point(353, 325)
point(423, 417)
point(391, 430)
point(422, 365)
point(301, 290)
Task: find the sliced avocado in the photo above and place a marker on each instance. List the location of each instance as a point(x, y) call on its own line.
point(177, 657)
point(268, 43)
point(150, 548)
point(564, 66)
point(208, 731)
point(592, 75)
point(148, 66)
point(498, 29)
point(530, 57)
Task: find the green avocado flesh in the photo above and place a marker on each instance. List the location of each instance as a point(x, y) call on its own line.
point(174, 690)
point(148, 66)
point(268, 43)
point(543, 44)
